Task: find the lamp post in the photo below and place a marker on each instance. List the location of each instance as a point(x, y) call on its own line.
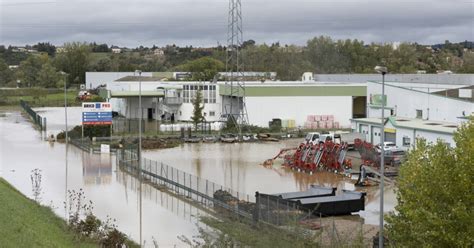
point(65, 104)
point(382, 70)
point(66, 137)
point(140, 146)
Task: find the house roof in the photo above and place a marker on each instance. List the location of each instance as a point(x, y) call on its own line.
point(411, 123)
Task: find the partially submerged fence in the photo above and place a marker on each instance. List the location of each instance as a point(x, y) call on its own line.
point(95, 145)
point(35, 117)
point(185, 184)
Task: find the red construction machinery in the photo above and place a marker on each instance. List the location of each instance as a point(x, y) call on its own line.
point(310, 157)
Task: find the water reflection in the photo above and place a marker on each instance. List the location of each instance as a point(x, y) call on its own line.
point(22, 150)
point(96, 168)
point(181, 206)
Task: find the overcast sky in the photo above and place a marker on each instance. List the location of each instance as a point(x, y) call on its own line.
point(204, 22)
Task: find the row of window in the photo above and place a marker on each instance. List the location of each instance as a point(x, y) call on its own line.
point(208, 93)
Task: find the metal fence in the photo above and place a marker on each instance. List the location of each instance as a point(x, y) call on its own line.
point(222, 199)
point(36, 118)
point(94, 146)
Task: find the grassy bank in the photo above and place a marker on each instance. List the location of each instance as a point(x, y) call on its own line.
point(242, 234)
point(24, 223)
point(38, 97)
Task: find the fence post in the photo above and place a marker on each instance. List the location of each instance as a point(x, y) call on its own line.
point(278, 211)
point(268, 208)
point(256, 211)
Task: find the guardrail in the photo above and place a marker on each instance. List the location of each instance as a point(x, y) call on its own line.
point(36, 118)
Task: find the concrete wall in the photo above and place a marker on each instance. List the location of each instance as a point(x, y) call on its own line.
point(261, 110)
point(405, 102)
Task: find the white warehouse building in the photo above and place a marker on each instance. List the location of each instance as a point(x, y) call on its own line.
point(264, 101)
point(413, 110)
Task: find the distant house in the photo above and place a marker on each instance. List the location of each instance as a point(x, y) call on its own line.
point(12, 67)
point(116, 50)
point(158, 52)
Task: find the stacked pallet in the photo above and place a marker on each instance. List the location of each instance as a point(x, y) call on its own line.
point(320, 122)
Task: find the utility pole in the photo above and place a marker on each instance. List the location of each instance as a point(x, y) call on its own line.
point(236, 109)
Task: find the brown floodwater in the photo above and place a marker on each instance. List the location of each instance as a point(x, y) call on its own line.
point(114, 193)
point(239, 166)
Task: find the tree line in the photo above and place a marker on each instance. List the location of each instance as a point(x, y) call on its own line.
point(50, 67)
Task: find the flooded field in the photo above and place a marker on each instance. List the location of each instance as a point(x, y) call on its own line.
point(114, 193)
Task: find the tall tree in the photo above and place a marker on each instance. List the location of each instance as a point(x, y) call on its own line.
point(436, 195)
point(28, 70)
point(203, 69)
point(46, 47)
point(6, 75)
point(49, 77)
point(198, 107)
point(74, 61)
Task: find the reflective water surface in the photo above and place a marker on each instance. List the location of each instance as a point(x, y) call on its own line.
point(114, 193)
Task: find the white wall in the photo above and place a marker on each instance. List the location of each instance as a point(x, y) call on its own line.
point(185, 112)
point(433, 137)
point(400, 133)
point(405, 103)
point(261, 110)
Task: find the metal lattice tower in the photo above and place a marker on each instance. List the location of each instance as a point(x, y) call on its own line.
point(235, 67)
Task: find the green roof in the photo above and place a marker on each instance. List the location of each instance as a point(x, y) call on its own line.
point(119, 94)
point(300, 90)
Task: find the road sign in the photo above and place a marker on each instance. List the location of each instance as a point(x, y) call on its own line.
point(96, 113)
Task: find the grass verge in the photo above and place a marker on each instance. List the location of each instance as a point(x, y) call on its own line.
point(244, 234)
point(24, 223)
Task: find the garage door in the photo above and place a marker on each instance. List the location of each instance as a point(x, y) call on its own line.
point(375, 135)
point(364, 129)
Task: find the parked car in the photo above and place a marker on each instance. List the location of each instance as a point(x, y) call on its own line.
point(394, 157)
point(388, 146)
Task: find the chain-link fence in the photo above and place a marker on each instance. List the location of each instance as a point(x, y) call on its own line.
point(36, 118)
point(94, 145)
point(222, 199)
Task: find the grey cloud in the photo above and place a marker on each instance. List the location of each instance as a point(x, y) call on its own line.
point(203, 22)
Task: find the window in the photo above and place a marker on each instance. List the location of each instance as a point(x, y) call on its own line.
point(212, 113)
point(419, 114)
point(406, 141)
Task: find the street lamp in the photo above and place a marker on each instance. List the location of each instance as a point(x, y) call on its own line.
point(382, 70)
point(140, 145)
point(66, 137)
point(65, 103)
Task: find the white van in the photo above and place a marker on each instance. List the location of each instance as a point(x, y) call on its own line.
point(312, 138)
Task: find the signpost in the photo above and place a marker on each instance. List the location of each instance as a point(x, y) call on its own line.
point(96, 113)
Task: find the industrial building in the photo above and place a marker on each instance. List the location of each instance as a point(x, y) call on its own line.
point(292, 100)
point(428, 110)
point(423, 105)
point(404, 131)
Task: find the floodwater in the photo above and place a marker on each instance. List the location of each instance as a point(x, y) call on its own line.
point(114, 193)
point(238, 166)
